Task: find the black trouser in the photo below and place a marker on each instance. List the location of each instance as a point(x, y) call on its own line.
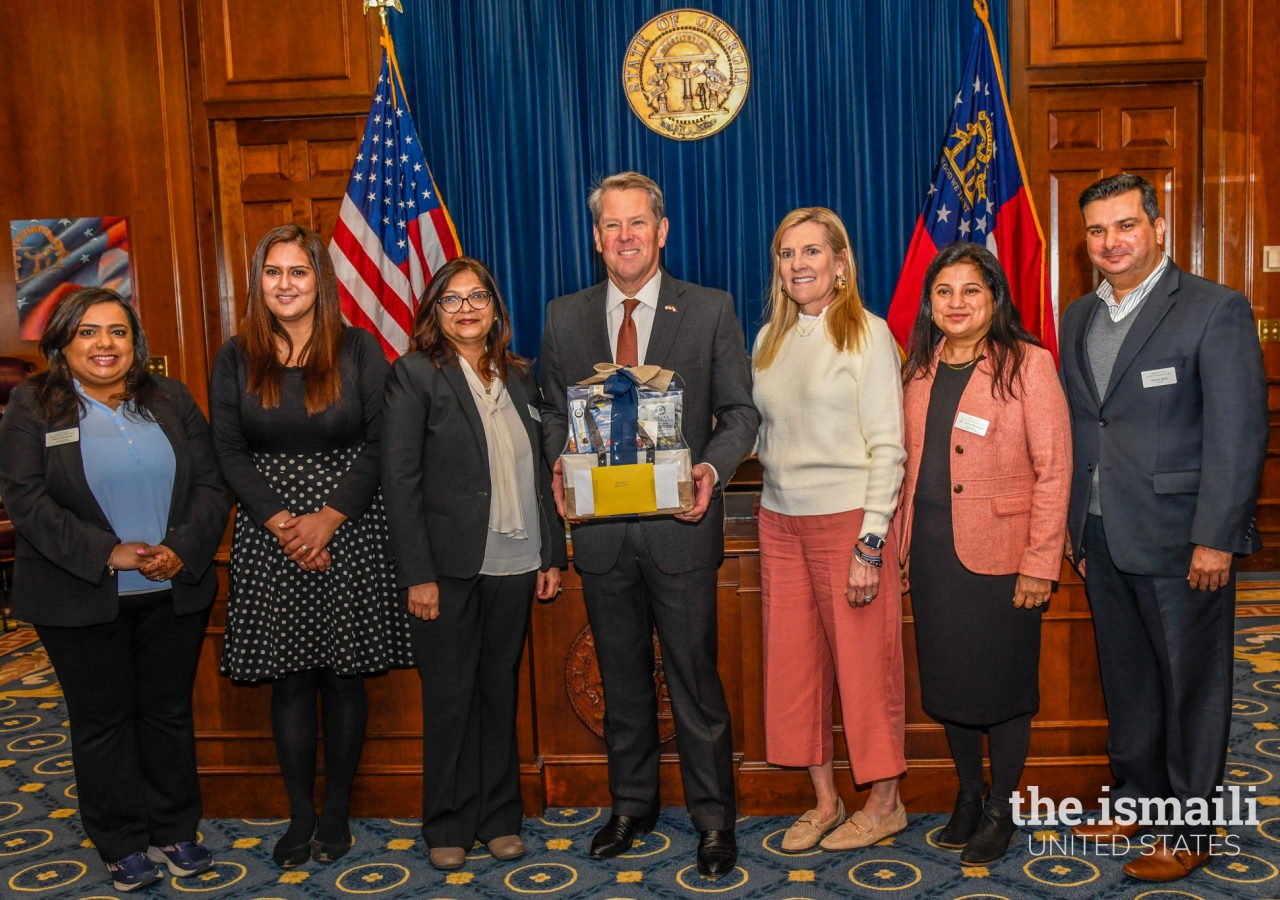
point(1165, 650)
point(469, 662)
point(623, 606)
point(128, 689)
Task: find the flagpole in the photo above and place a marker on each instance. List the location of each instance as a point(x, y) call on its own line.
point(981, 8)
point(382, 6)
point(389, 45)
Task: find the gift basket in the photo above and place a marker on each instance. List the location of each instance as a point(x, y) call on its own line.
point(625, 454)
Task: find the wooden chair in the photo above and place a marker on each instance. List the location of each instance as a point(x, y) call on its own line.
point(12, 373)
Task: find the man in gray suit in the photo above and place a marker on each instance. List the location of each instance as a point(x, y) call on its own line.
point(638, 573)
point(1163, 373)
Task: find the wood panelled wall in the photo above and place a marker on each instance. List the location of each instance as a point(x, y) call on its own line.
point(1183, 92)
point(94, 121)
point(207, 122)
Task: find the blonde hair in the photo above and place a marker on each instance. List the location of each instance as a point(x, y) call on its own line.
point(625, 181)
point(846, 321)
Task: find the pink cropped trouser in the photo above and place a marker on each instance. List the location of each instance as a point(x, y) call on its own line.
point(813, 638)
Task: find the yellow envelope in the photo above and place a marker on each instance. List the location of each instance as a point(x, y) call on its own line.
point(624, 490)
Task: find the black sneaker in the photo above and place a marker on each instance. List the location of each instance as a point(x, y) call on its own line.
point(184, 858)
point(133, 872)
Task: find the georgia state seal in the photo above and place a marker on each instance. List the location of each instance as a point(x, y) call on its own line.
point(686, 74)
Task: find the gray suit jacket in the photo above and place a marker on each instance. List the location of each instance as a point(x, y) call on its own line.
point(1180, 463)
point(696, 334)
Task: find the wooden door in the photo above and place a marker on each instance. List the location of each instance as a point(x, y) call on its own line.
point(272, 172)
point(1081, 134)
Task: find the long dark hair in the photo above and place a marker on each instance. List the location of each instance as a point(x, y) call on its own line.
point(260, 328)
point(430, 339)
point(1006, 341)
point(55, 391)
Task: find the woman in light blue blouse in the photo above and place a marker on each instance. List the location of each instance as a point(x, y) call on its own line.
point(112, 483)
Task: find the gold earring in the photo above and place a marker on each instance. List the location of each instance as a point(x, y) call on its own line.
point(841, 282)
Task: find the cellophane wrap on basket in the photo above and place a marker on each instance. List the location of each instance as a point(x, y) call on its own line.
point(625, 453)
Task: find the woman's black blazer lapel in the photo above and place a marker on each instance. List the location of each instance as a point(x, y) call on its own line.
point(69, 461)
point(452, 372)
point(169, 417)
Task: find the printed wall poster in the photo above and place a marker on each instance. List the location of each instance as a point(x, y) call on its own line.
point(54, 257)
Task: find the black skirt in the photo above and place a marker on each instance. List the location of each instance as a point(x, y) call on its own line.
point(979, 655)
point(281, 619)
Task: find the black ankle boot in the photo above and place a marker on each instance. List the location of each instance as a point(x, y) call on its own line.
point(332, 839)
point(964, 819)
point(294, 847)
point(994, 836)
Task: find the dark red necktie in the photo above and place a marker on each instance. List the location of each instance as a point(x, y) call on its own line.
point(628, 353)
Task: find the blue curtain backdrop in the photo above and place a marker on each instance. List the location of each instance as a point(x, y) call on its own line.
point(520, 106)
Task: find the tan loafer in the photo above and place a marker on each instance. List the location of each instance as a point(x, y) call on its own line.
point(509, 846)
point(448, 857)
point(809, 829)
point(858, 831)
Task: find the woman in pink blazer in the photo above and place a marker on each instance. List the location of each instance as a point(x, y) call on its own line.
point(983, 521)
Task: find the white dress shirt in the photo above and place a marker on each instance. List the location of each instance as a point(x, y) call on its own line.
point(615, 312)
point(1118, 309)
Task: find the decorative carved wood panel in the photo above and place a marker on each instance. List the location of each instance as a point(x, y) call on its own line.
point(253, 49)
point(272, 172)
point(1095, 31)
point(1081, 134)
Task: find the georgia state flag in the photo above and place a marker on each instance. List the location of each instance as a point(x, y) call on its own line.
point(980, 193)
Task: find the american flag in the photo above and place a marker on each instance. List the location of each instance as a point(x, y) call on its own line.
point(393, 231)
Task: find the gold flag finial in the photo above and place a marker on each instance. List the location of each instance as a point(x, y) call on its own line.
point(382, 6)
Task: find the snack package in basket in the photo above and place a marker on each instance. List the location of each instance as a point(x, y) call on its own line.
point(625, 454)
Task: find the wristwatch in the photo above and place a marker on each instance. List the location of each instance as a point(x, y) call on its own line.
point(875, 543)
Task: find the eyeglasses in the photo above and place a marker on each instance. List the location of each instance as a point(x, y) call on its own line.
point(478, 300)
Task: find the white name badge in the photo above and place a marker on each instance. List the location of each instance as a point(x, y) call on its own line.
point(1159, 377)
point(972, 424)
point(58, 438)
point(533, 413)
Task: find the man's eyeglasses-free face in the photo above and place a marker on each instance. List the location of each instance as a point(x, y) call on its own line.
point(478, 300)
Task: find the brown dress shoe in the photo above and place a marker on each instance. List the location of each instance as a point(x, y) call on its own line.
point(448, 857)
point(1164, 864)
point(1105, 832)
point(508, 846)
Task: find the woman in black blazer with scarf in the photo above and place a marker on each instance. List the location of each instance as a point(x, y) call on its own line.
point(475, 535)
point(111, 481)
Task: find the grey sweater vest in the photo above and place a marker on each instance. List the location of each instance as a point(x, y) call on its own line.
point(1103, 346)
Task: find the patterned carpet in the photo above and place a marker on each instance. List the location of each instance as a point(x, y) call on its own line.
point(43, 849)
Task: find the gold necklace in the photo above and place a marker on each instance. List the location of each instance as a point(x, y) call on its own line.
point(962, 366)
point(803, 331)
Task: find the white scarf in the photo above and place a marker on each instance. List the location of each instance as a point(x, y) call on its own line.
point(505, 516)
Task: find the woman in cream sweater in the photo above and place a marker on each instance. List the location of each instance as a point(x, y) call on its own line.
point(828, 388)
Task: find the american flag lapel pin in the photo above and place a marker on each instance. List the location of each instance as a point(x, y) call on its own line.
point(670, 307)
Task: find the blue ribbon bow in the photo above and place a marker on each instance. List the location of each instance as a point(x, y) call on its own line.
point(621, 386)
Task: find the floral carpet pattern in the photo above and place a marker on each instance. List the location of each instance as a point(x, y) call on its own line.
point(44, 853)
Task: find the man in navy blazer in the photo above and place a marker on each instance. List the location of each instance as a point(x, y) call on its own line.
point(659, 571)
point(1164, 376)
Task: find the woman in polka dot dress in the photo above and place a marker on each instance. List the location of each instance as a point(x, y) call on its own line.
point(296, 406)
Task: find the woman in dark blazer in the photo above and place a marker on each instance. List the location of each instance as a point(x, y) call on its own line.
point(475, 535)
point(111, 481)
